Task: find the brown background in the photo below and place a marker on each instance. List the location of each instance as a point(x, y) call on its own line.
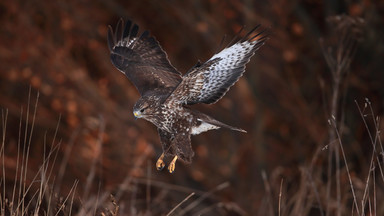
point(58, 48)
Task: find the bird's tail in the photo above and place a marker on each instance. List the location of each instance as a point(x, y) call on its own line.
point(208, 119)
point(223, 125)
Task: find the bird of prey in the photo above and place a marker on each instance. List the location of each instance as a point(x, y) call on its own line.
point(166, 94)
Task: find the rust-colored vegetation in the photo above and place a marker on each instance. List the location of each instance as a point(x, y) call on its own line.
point(311, 101)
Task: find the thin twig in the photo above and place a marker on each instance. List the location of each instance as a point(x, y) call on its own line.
point(73, 196)
point(268, 191)
point(92, 172)
point(148, 187)
point(280, 195)
point(164, 185)
point(346, 165)
point(368, 103)
point(204, 196)
point(72, 191)
point(178, 205)
point(4, 117)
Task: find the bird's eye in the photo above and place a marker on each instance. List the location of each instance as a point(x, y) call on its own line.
point(142, 110)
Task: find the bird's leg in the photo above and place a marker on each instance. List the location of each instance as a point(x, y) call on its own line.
point(171, 167)
point(160, 162)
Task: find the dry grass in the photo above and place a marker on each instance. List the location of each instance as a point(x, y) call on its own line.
point(39, 192)
point(68, 153)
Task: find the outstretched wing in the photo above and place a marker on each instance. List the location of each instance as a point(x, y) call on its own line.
point(141, 58)
point(208, 83)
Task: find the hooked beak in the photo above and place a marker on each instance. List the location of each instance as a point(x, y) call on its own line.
point(137, 115)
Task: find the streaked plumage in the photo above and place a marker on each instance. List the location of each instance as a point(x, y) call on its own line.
point(166, 94)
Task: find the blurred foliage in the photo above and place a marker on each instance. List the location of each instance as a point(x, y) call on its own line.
point(283, 101)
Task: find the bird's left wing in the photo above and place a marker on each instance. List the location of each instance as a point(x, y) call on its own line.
point(141, 58)
point(208, 82)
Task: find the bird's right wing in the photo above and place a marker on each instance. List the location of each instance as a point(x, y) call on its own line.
point(141, 58)
point(208, 83)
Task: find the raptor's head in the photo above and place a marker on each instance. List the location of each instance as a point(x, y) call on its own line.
point(146, 107)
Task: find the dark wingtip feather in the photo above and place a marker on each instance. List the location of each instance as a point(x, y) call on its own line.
point(263, 33)
point(110, 38)
point(144, 35)
point(134, 31)
point(119, 30)
point(127, 28)
point(250, 32)
point(236, 38)
point(249, 37)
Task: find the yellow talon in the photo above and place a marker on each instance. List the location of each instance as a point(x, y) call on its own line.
point(160, 163)
point(171, 167)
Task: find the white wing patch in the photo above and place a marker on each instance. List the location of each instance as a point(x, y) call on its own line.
point(229, 69)
point(203, 127)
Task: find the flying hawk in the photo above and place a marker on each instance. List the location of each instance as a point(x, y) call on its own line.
point(166, 94)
